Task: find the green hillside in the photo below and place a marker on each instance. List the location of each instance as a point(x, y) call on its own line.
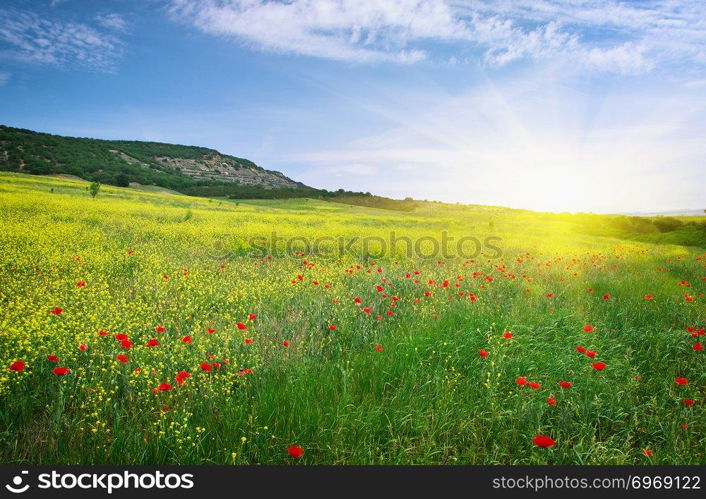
point(119, 162)
point(192, 170)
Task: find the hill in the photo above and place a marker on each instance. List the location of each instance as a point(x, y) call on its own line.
point(119, 162)
point(191, 170)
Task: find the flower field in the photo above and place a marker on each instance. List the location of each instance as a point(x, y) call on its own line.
point(140, 328)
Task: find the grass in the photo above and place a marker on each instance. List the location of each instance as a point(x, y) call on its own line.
point(404, 388)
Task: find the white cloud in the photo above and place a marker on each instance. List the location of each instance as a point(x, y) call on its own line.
point(112, 21)
point(28, 37)
point(601, 35)
point(332, 29)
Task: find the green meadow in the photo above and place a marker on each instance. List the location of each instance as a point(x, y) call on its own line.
point(222, 331)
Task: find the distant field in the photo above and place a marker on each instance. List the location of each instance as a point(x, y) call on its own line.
point(152, 188)
point(214, 332)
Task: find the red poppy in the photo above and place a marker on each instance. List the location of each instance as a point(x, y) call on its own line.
point(60, 371)
point(534, 385)
point(205, 366)
point(591, 353)
point(599, 366)
point(696, 332)
point(252, 317)
point(181, 376)
point(565, 384)
point(681, 381)
point(581, 349)
point(164, 387)
point(241, 326)
point(56, 310)
point(550, 295)
point(17, 366)
point(101, 332)
point(126, 344)
point(698, 347)
point(366, 310)
point(606, 297)
point(83, 347)
point(688, 402)
point(588, 328)
point(332, 327)
point(80, 284)
point(551, 401)
point(210, 331)
point(122, 358)
point(285, 343)
point(649, 297)
point(187, 340)
point(248, 341)
point(53, 358)
point(130, 252)
point(159, 329)
point(295, 451)
point(543, 441)
point(120, 337)
point(522, 380)
point(482, 353)
point(647, 452)
point(152, 343)
point(379, 348)
point(507, 334)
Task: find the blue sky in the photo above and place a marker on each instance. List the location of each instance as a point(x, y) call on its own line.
point(591, 105)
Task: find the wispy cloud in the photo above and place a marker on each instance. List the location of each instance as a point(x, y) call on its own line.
point(673, 30)
point(605, 35)
point(112, 21)
point(339, 30)
point(29, 37)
